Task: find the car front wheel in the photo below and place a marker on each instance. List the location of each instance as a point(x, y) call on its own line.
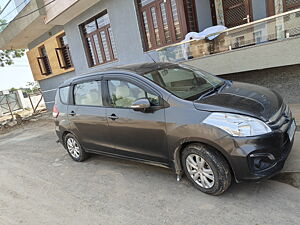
point(206, 169)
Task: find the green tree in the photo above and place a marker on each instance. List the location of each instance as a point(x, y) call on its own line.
point(32, 87)
point(7, 56)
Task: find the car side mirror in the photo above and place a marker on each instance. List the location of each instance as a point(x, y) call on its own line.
point(141, 104)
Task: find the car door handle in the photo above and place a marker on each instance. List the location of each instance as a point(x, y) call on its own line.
point(72, 113)
point(113, 117)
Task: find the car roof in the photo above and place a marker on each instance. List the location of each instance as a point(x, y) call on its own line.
point(140, 68)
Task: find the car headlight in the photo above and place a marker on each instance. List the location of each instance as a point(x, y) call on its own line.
point(238, 125)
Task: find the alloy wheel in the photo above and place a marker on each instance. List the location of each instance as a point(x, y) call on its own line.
point(200, 171)
point(73, 148)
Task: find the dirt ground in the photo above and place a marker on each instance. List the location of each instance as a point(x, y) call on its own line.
point(40, 185)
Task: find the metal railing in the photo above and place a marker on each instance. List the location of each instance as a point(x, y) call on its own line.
point(278, 27)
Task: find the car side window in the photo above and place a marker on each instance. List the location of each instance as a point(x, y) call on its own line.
point(88, 94)
point(123, 94)
point(64, 94)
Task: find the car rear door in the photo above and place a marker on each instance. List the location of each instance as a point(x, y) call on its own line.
point(87, 116)
point(136, 134)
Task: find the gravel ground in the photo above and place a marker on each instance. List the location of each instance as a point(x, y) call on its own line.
point(40, 184)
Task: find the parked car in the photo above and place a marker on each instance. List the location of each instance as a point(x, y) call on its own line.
point(210, 129)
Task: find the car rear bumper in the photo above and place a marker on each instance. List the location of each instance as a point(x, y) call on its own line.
point(258, 158)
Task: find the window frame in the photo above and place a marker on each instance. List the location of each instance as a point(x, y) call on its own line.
point(67, 63)
point(43, 60)
point(182, 18)
point(88, 50)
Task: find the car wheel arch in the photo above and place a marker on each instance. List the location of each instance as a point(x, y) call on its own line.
point(65, 133)
point(179, 149)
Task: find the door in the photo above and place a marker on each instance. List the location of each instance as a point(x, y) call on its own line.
point(136, 134)
point(88, 117)
point(237, 12)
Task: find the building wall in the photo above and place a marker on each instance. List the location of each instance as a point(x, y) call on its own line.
point(49, 87)
point(125, 28)
point(285, 80)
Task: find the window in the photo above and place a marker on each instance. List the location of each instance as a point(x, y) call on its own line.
point(88, 94)
point(123, 94)
point(63, 53)
point(43, 62)
point(98, 39)
point(291, 5)
point(184, 82)
point(165, 22)
point(64, 94)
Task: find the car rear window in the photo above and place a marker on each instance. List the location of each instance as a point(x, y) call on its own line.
point(64, 94)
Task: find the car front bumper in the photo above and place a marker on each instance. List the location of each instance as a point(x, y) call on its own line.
point(258, 158)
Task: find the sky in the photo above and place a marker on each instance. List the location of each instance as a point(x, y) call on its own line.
point(16, 75)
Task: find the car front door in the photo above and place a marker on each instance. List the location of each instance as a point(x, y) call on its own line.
point(88, 118)
point(136, 134)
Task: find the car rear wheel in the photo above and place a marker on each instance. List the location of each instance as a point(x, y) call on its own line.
point(206, 169)
point(74, 148)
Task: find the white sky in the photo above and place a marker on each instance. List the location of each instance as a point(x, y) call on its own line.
point(16, 75)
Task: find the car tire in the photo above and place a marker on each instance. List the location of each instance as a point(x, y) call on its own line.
point(74, 148)
point(206, 168)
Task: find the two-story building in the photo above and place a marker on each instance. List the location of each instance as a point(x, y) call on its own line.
point(68, 38)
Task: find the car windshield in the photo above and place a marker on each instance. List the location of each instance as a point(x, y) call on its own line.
point(185, 82)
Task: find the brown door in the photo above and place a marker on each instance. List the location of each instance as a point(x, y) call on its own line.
point(237, 12)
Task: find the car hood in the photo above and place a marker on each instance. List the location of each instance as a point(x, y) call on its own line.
point(242, 98)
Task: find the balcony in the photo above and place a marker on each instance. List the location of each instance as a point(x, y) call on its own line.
point(265, 43)
point(62, 11)
point(18, 33)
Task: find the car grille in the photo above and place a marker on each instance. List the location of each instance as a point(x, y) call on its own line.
point(282, 117)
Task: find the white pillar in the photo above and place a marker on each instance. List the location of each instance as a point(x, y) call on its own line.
point(21, 99)
point(219, 12)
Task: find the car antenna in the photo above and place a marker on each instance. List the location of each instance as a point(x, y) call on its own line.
point(151, 57)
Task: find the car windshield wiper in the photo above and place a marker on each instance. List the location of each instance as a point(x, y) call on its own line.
point(213, 90)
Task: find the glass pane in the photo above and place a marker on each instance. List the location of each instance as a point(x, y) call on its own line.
point(153, 99)
point(123, 94)
point(113, 44)
point(165, 23)
point(155, 26)
point(64, 94)
point(97, 45)
point(105, 46)
point(90, 27)
point(147, 29)
point(90, 50)
point(103, 21)
point(184, 82)
point(63, 41)
point(88, 94)
point(176, 20)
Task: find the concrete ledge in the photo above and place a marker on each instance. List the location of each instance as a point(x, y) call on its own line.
point(263, 56)
point(20, 32)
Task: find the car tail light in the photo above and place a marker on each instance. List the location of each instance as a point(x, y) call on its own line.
point(55, 112)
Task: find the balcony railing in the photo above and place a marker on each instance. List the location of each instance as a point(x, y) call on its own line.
point(278, 27)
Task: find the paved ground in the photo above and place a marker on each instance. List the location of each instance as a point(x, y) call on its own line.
point(40, 184)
